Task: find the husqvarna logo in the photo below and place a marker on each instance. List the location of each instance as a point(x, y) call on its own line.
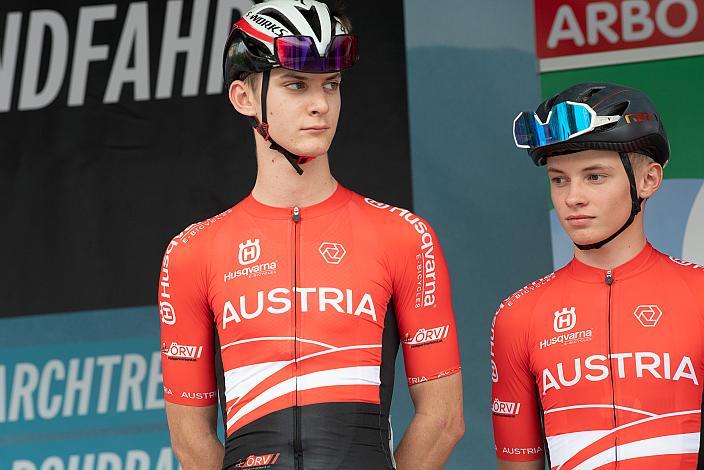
point(249, 252)
point(377, 204)
point(565, 320)
point(332, 252)
point(648, 315)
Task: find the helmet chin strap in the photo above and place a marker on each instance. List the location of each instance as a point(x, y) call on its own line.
point(263, 130)
point(636, 203)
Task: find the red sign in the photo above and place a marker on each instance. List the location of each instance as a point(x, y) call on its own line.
point(571, 27)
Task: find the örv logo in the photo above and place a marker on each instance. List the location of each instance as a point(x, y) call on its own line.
point(258, 461)
point(505, 408)
point(565, 320)
point(424, 337)
point(332, 252)
point(648, 315)
point(181, 352)
point(249, 252)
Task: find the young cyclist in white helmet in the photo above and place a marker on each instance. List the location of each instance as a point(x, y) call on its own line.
point(308, 287)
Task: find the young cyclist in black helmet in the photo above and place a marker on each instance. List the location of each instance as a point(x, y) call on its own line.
point(308, 286)
point(604, 359)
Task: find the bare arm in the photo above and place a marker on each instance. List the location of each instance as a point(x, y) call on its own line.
point(193, 436)
point(532, 465)
point(436, 427)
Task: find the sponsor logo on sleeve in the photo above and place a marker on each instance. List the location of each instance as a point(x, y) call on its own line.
point(378, 205)
point(181, 352)
point(332, 252)
point(167, 312)
point(425, 259)
point(259, 462)
point(425, 337)
point(494, 372)
point(505, 408)
point(648, 315)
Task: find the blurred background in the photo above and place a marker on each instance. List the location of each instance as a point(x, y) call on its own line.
point(115, 134)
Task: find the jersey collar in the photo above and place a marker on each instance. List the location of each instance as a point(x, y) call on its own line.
point(636, 265)
point(338, 199)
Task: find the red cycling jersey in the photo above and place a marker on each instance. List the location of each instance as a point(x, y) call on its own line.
point(298, 301)
point(611, 361)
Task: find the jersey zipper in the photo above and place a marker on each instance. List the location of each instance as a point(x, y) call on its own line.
point(297, 446)
point(609, 280)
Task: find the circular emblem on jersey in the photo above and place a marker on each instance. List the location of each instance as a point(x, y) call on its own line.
point(378, 205)
point(168, 315)
point(494, 372)
point(648, 315)
point(332, 252)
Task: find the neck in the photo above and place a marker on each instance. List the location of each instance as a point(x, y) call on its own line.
point(618, 251)
point(278, 184)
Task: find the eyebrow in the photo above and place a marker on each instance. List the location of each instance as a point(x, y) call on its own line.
point(597, 167)
point(293, 75)
point(583, 170)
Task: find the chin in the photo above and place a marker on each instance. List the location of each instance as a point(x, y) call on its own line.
point(312, 150)
point(585, 238)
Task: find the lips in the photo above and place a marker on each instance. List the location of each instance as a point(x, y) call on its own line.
point(579, 220)
point(316, 128)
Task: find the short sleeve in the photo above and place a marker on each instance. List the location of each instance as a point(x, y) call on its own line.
point(423, 304)
point(187, 348)
point(514, 402)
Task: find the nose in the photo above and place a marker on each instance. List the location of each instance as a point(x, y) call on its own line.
point(318, 104)
point(575, 196)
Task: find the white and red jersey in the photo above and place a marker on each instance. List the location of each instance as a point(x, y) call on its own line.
point(299, 301)
point(612, 362)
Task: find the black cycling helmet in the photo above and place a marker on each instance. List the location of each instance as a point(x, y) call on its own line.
point(639, 129)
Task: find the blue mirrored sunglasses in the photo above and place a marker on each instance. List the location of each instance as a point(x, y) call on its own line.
point(565, 121)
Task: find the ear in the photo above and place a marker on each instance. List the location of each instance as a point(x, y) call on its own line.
point(243, 99)
point(650, 180)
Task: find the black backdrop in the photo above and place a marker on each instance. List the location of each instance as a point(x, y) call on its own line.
point(90, 194)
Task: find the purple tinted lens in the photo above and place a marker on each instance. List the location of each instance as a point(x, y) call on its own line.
point(299, 53)
point(342, 53)
point(296, 53)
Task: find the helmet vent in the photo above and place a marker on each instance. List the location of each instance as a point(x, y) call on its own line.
point(614, 109)
point(311, 17)
point(587, 95)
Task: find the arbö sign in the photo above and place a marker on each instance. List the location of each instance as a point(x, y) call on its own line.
point(575, 34)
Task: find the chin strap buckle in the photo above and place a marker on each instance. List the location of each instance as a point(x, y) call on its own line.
point(263, 130)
